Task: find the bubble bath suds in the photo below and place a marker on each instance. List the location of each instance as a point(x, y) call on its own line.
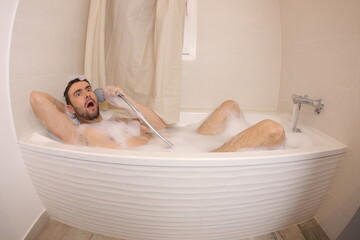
point(185, 138)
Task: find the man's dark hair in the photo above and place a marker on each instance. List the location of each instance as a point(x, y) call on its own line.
point(66, 95)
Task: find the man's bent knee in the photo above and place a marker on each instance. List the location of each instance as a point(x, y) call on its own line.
point(216, 123)
point(230, 105)
point(274, 131)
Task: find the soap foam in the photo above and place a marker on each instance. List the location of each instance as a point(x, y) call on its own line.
point(297, 140)
point(120, 131)
point(185, 138)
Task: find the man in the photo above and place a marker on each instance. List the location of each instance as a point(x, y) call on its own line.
point(82, 102)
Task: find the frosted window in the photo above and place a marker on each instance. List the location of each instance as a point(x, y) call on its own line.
point(189, 47)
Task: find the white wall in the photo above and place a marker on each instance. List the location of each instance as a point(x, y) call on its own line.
point(321, 58)
point(48, 46)
point(238, 55)
point(19, 204)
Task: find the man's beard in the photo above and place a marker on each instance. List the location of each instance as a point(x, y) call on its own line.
point(83, 114)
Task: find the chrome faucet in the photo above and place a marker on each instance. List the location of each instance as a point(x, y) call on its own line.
point(318, 104)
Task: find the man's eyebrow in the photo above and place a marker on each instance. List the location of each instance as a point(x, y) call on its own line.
point(79, 90)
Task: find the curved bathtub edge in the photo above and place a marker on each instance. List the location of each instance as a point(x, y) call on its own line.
point(131, 157)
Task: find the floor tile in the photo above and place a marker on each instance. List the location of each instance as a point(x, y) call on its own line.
point(77, 234)
point(54, 230)
point(270, 236)
point(309, 230)
point(291, 233)
point(312, 230)
point(102, 237)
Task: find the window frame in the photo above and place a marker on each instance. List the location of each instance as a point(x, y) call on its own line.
point(190, 27)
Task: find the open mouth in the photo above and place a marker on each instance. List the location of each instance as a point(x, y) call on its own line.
point(90, 104)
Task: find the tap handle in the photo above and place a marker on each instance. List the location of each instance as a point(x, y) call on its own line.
point(319, 105)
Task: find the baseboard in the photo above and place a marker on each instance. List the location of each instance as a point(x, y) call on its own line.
point(38, 226)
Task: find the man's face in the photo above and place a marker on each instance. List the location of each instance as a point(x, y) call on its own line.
point(83, 102)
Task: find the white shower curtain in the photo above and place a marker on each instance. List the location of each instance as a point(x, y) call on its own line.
point(95, 48)
point(137, 44)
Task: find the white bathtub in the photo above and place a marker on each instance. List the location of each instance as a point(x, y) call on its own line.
point(172, 195)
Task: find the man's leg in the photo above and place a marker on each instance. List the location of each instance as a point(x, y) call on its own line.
point(267, 133)
point(216, 123)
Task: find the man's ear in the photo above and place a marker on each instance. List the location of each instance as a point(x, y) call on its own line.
point(70, 109)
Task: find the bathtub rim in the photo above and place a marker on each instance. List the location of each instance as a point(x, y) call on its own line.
point(331, 147)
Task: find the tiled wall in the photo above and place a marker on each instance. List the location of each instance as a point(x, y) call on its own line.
point(238, 55)
point(47, 47)
point(321, 58)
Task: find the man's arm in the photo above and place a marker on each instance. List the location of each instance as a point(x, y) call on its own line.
point(51, 113)
point(149, 114)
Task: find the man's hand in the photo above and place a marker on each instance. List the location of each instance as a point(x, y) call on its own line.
point(112, 91)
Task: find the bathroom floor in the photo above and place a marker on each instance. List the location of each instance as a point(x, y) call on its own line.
point(309, 230)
